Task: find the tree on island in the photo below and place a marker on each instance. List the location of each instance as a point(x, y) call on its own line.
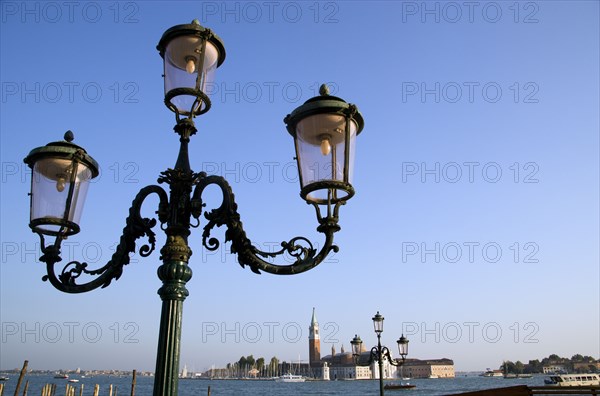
point(247, 364)
point(242, 363)
point(260, 363)
point(509, 367)
point(274, 366)
point(536, 366)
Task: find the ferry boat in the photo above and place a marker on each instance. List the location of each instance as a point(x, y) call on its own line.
point(492, 373)
point(399, 386)
point(515, 376)
point(574, 380)
point(289, 377)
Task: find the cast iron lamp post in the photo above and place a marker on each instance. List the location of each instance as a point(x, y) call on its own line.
point(324, 131)
point(380, 352)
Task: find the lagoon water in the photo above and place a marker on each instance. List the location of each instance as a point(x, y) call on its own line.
point(189, 387)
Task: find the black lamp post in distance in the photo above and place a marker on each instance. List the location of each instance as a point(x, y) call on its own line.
point(379, 353)
point(324, 130)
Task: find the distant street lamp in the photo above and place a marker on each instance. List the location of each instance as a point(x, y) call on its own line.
point(324, 131)
point(380, 352)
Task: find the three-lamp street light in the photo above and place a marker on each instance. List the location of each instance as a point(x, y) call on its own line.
point(324, 129)
point(379, 352)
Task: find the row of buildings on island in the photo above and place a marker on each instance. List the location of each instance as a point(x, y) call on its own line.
point(343, 365)
point(340, 365)
point(576, 367)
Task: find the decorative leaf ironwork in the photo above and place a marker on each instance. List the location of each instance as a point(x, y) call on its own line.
point(300, 248)
point(135, 227)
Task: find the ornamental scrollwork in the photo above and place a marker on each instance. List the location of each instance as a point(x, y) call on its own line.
point(136, 227)
point(299, 248)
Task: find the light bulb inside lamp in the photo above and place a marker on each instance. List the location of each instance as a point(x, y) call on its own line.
point(60, 184)
point(190, 64)
point(325, 146)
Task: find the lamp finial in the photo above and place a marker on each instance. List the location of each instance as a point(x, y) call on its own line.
point(323, 90)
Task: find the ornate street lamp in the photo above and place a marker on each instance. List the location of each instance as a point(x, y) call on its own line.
point(324, 130)
point(61, 172)
point(402, 347)
point(356, 343)
point(379, 352)
point(191, 55)
point(378, 323)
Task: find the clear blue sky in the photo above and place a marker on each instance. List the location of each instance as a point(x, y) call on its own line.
point(474, 229)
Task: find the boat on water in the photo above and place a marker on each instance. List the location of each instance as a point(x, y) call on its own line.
point(573, 380)
point(73, 380)
point(4, 378)
point(392, 386)
point(61, 376)
point(515, 376)
point(492, 373)
point(289, 377)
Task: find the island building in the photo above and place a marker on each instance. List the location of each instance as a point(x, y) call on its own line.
point(342, 365)
point(555, 369)
point(434, 368)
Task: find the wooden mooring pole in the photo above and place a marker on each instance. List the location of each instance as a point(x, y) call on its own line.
point(23, 371)
point(132, 383)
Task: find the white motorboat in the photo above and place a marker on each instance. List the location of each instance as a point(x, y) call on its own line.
point(289, 377)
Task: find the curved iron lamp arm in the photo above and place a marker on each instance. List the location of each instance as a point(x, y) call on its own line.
point(385, 354)
point(135, 228)
point(299, 247)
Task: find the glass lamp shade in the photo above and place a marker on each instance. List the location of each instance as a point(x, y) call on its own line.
point(324, 130)
point(403, 346)
point(378, 323)
point(356, 345)
point(191, 54)
point(60, 175)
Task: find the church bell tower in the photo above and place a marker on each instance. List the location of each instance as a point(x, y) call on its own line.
point(314, 342)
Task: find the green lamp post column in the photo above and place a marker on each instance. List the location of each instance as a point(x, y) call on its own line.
point(191, 54)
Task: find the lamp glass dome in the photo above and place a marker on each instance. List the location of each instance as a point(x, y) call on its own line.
point(60, 175)
point(184, 57)
point(378, 323)
point(321, 140)
point(356, 345)
point(324, 130)
point(191, 54)
point(58, 191)
point(403, 346)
